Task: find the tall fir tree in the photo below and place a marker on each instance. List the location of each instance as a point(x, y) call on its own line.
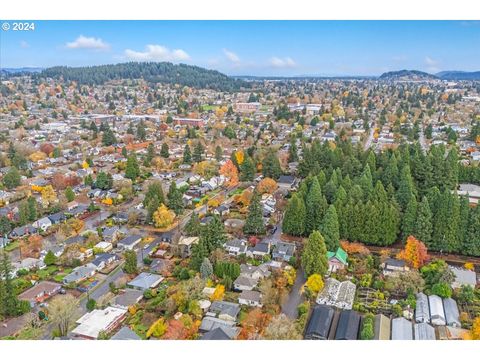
point(295, 214)
point(314, 255)
point(247, 169)
point(254, 224)
point(315, 206)
point(174, 199)
point(187, 155)
point(409, 219)
point(423, 223)
point(330, 229)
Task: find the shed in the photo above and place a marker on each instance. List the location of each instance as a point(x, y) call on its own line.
point(401, 329)
point(318, 326)
point(348, 325)
point(424, 331)
point(437, 315)
point(382, 327)
point(422, 310)
point(452, 315)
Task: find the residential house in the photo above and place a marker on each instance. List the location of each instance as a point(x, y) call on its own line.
point(40, 292)
point(22, 231)
point(99, 321)
point(337, 260)
point(286, 182)
point(210, 323)
point(57, 218)
point(145, 281)
point(43, 223)
point(260, 250)
point(127, 298)
point(185, 245)
point(103, 260)
point(80, 273)
point(245, 283)
point(216, 334)
point(250, 298)
point(283, 251)
point(236, 247)
point(125, 333)
point(129, 242)
point(392, 267)
point(224, 310)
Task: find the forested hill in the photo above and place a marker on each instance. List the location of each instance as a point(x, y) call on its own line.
point(156, 72)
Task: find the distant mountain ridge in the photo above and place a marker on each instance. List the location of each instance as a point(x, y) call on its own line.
point(407, 75)
point(421, 75)
point(459, 75)
point(156, 72)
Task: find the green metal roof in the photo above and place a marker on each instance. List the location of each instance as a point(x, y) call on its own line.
point(340, 255)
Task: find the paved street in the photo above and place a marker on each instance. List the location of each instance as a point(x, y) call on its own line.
point(295, 297)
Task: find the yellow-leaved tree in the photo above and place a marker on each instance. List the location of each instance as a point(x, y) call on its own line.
point(218, 293)
point(314, 284)
point(157, 329)
point(48, 196)
point(163, 217)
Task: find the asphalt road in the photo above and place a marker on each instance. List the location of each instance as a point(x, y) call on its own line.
point(295, 297)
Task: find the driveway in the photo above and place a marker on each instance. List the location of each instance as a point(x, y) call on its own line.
point(295, 297)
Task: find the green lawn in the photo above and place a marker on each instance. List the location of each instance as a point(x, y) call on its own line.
point(47, 272)
point(12, 246)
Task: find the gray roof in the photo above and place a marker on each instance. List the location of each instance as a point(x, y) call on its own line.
point(463, 277)
point(225, 307)
point(424, 331)
point(210, 323)
point(251, 295)
point(145, 281)
point(401, 329)
point(129, 240)
point(437, 315)
point(216, 334)
point(452, 315)
point(422, 310)
point(245, 281)
point(128, 298)
point(125, 334)
point(320, 321)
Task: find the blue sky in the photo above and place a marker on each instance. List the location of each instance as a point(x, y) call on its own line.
point(252, 47)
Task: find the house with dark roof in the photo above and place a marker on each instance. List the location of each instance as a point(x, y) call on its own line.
point(125, 333)
point(217, 333)
point(283, 251)
point(348, 325)
point(225, 310)
point(394, 266)
point(319, 324)
point(129, 242)
point(57, 218)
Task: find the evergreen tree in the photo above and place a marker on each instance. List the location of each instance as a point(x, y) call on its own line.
point(271, 166)
point(130, 266)
point(108, 138)
point(423, 223)
point(314, 256)
point(315, 206)
point(132, 170)
point(5, 226)
point(175, 200)
point(254, 224)
point(141, 132)
point(12, 178)
point(405, 188)
point(293, 151)
point(295, 216)
point(32, 209)
point(218, 153)
point(471, 245)
point(192, 228)
point(50, 258)
point(187, 155)
point(247, 169)
point(198, 151)
point(206, 269)
point(165, 151)
point(330, 229)
point(154, 197)
point(409, 219)
point(69, 194)
point(124, 152)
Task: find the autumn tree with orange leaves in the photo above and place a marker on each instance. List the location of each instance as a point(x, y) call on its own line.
point(267, 185)
point(31, 246)
point(253, 325)
point(230, 171)
point(415, 253)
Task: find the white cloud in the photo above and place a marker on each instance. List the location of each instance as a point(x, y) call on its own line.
point(24, 44)
point(157, 53)
point(231, 56)
point(286, 62)
point(432, 64)
point(83, 42)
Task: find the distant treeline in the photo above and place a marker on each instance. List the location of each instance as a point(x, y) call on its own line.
point(154, 72)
